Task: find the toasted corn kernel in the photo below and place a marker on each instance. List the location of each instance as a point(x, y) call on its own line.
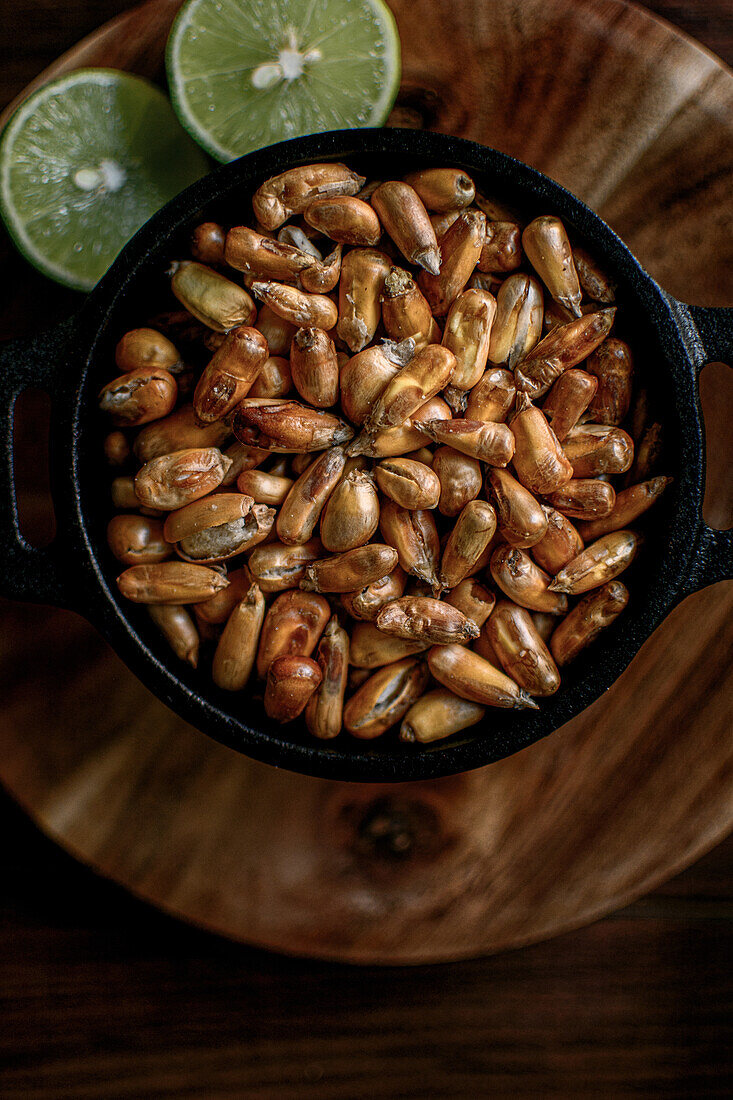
point(587, 619)
point(539, 461)
point(595, 449)
point(415, 536)
point(502, 247)
point(366, 603)
point(325, 708)
point(460, 479)
point(177, 432)
point(172, 480)
point(371, 648)
point(309, 310)
point(207, 243)
point(141, 395)
point(564, 346)
point(630, 504)
point(473, 678)
point(178, 629)
point(314, 367)
point(422, 378)
point(602, 561)
point(277, 567)
point(366, 375)
point(176, 582)
point(559, 545)
point(278, 198)
point(385, 698)
point(351, 514)
point(304, 503)
point(230, 373)
point(518, 322)
point(237, 648)
point(613, 365)
point(137, 539)
point(648, 454)
point(213, 299)
point(408, 483)
point(584, 498)
point(345, 219)
point(568, 399)
point(593, 279)
point(344, 572)
point(116, 448)
point(424, 619)
point(524, 582)
point(468, 334)
point(548, 250)
point(468, 539)
point(263, 258)
point(286, 426)
point(291, 682)
point(492, 443)
point(264, 488)
point(216, 610)
point(438, 714)
point(492, 396)
point(323, 275)
point(442, 189)
point(522, 520)
point(145, 347)
point(405, 219)
point(205, 513)
point(293, 624)
point(242, 458)
point(395, 442)
point(522, 652)
point(473, 599)
point(405, 310)
point(225, 540)
point(277, 331)
point(460, 249)
point(274, 380)
point(363, 273)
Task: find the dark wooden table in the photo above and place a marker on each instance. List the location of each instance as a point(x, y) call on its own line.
point(103, 997)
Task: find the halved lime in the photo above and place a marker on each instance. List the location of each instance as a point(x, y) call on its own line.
point(84, 162)
point(247, 73)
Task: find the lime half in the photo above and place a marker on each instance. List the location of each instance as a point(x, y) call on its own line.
point(246, 73)
point(84, 162)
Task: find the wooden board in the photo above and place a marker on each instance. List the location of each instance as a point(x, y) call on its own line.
point(637, 120)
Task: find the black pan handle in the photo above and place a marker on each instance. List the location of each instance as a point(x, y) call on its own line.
point(41, 575)
point(710, 339)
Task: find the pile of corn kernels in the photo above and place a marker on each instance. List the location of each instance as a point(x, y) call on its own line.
point(399, 491)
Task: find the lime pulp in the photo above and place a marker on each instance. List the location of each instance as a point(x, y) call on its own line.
point(84, 162)
point(247, 73)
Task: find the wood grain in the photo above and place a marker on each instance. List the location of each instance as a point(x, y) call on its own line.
point(612, 104)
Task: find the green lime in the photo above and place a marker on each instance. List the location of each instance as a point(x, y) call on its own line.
point(247, 73)
point(84, 162)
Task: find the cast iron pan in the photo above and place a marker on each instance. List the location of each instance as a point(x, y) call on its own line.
point(672, 343)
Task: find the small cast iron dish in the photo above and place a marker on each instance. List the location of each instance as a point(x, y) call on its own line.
point(672, 342)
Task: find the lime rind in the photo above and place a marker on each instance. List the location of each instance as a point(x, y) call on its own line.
point(217, 50)
point(84, 162)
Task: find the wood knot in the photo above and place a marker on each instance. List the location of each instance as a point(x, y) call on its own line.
point(393, 828)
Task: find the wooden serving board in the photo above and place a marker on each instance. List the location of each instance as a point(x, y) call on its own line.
point(637, 120)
